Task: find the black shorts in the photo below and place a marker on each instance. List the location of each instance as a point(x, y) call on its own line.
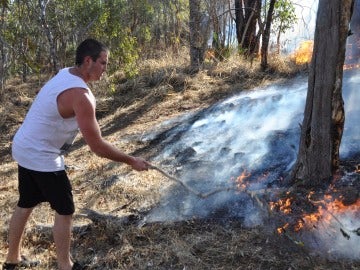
point(53, 187)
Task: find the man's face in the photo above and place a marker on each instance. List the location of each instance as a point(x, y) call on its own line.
point(98, 67)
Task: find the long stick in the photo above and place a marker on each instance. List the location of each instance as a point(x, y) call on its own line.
point(205, 195)
point(199, 194)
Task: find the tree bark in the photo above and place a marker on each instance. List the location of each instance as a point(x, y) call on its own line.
point(197, 50)
point(323, 123)
point(239, 20)
point(3, 60)
point(266, 36)
point(49, 35)
point(246, 16)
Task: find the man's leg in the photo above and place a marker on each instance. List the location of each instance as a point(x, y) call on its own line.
point(16, 230)
point(62, 238)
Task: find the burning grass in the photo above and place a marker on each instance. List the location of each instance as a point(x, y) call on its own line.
point(112, 200)
point(326, 221)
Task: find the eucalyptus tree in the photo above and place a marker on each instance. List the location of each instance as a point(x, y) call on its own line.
point(221, 18)
point(283, 19)
point(198, 39)
point(266, 35)
point(23, 34)
point(179, 23)
point(34, 33)
point(247, 18)
point(323, 123)
point(115, 26)
point(50, 37)
point(3, 46)
point(168, 28)
point(70, 22)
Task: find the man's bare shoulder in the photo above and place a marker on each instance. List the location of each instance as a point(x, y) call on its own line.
point(70, 99)
point(75, 94)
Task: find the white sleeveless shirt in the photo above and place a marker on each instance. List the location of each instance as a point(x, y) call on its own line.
point(44, 136)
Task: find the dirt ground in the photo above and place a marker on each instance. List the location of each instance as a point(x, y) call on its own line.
point(111, 199)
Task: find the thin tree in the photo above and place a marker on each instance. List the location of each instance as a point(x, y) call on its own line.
point(4, 7)
point(49, 35)
point(266, 36)
point(323, 123)
point(197, 37)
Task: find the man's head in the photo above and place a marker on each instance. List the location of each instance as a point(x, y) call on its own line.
point(89, 47)
point(92, 59)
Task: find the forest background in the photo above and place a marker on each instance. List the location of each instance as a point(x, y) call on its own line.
point(41, 36)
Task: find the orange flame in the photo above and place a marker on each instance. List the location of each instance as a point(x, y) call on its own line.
point(328, 210)
point(351, 66)
point(303, 54)
point(240, 184)
point(283, 205)
point(283, 228)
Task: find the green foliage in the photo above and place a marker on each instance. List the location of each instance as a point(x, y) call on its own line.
point(129, 27)
point(113, 30)
point(4, 3)
point(127, 54)
point(284, 16)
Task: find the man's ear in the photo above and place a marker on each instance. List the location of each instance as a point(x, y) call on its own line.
point(87, 59)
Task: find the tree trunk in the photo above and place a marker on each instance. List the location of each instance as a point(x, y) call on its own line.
point(197, 49)
point(246, 16)
point(217, 40)
point(323, 123)
point(250, 42)
point(3, 59)
point(266, 36)
point(239, 20)
point(49, 35)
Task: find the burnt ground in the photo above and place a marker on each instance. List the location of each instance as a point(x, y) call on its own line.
point(110, 231)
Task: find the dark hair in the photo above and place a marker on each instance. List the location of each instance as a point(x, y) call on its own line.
point(89, 47)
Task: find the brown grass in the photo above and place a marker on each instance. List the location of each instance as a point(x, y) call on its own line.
point(163, 90)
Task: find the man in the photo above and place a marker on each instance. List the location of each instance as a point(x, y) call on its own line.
point(62, 107)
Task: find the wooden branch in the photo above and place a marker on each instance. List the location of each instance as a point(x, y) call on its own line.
point(188, 188)
point(251, 193)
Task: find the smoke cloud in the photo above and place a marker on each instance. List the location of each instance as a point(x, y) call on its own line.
point(254, 133)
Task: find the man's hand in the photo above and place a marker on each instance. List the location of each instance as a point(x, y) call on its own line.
point(139, 164)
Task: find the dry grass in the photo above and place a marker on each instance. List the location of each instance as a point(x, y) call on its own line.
point(163, 90)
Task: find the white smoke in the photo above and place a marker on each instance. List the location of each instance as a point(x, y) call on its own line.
point(351, 139)
point(337, 237)
point(256, 131)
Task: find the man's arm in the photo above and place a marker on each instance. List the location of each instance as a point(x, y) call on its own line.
point(84, 109)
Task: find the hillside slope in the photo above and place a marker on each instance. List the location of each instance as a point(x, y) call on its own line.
point(111, 199)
